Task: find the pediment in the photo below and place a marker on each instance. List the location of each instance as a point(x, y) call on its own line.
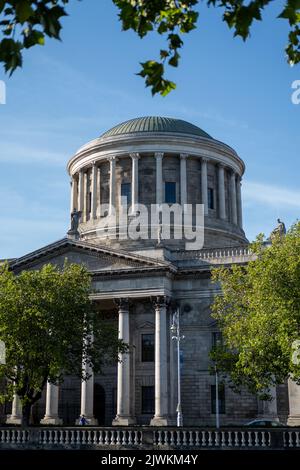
point(95, 258)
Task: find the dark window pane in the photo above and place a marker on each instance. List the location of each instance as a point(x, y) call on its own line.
point(90, 202)
point(148, 400)
point(148, 348)
point(170, 193)
point(221, 399)
point(126, 192)
point(211, 202)
point(216, 339)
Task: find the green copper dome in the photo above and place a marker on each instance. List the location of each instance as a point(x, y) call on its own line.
point(156, 124)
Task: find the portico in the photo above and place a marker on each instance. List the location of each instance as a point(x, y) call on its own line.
point(164, 409)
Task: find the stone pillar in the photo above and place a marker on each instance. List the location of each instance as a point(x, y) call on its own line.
point(294, 403)
point(94, 192)
point(239, 202)
point(221, 192)
point(85, 197)
point(233, 198)
point(87, 396)
point(112, 185)
point(51, 415)
point(159, 177)
point(74, 194)
point(16, 411)
point(99, 212)
point(134, 182)
point(183, 181)
point(80, 192)
point(124, 415)
point(204, 184)
point(161, 417)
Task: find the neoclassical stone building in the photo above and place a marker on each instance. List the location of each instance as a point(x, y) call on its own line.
point(137, 282)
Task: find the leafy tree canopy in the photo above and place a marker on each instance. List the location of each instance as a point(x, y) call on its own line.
point(46, 322)
point(26, 23)
point(259, 315)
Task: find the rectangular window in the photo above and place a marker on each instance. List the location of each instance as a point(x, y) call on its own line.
point(211, 202)
point(148, 348)
point(126, 192)
point(221, 399)
point(170, 192)
point(148, 400)
point(90, 202)
point(216, 339)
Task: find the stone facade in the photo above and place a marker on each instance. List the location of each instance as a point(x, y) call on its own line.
point(136, 283)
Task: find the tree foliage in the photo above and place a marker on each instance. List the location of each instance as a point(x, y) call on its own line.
point(46, 321)
point(26, 23)
point(259, 315)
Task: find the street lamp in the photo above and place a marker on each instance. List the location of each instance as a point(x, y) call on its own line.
point(175, 330)
point(217, 399)
point(218, 343)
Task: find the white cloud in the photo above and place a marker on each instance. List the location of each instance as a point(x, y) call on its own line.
point(275, 196)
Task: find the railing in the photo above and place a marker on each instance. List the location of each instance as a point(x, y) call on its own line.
point(291, 438)
point(191, 438)
point(148, 438)
point(215, 254)
point(102, 437)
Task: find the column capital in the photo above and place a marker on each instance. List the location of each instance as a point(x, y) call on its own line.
point(221, 165)
point(135, 155)
point(204, 160)
point(184, 156)
point(122, 304)
point(159, 155)
point(160, 301)
point(112, 158)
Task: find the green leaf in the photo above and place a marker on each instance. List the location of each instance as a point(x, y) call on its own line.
point(34, 37)
point(23, 10)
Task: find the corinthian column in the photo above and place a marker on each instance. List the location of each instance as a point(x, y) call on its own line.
point(80, 191)
point(239, 202)
point(51, 415)
point(112, 185)
point(74, 194)
point(204, 184)
point(221, 191)
point(294, 403)
point(85, 197)
point(94, 192)
point(99, 212)
point(233, 198)
point(87, 395)
point(134, 181)
point(183, 182)
point(16, 411)
point(159, 177)
point(124, 415)
point(161, 367)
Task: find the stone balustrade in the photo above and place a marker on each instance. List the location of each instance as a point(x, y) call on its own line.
point(231, 254)
point(147, 438)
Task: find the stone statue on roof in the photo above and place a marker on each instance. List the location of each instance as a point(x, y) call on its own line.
point(75, 218)
point(279, 230)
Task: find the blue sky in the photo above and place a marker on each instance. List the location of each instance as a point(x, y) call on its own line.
point(70, 92)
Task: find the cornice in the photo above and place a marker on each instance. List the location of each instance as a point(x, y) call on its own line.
point(102, 148)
